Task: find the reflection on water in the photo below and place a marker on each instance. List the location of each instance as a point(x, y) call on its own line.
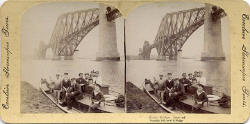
point(217, 73)
point(112, 72)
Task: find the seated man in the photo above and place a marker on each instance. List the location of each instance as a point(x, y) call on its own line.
point(200, 97)
point(97, 78)
point(169, 86)
point(58, 87)
point(162, 86)
point(81, 82)
point(186, 83)
point(190, 77)
point(175, 93)
point(154, 86)
point(97, 97)
point(90, 87)
point(193, 87)
point(66, 84)
point(72, 93)
point(86, 76)
point(201, 79)
point(50, 84)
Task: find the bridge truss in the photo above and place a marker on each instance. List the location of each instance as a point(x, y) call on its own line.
point(72, 27)
point(177, 27)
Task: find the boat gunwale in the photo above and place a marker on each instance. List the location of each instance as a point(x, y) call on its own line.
point(151, 96)
point(58, 105)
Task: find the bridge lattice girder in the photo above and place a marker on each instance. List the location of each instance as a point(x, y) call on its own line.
point(176, 28)
point(70, 29)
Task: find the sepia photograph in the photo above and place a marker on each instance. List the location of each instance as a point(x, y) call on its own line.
point(72, 59)
point(164, 61)
point(178, 59)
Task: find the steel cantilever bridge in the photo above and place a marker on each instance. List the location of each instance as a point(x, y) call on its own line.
point(71, 28)
point(176, 28)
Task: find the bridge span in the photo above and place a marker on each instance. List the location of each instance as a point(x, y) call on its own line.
point(177, 27)
point(72, 27)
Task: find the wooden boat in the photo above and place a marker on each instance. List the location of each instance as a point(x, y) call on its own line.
point(80, 106)
point(187, 105)
point(45, 91)
point(149, 91)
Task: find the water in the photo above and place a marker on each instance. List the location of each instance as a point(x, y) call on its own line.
point(112, 72)
point(217, 73)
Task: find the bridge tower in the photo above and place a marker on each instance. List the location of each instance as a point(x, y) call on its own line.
point(107, 37)
point(212, 36)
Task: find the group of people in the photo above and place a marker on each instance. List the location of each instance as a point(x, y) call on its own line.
point(68, 89)
point(170, 90)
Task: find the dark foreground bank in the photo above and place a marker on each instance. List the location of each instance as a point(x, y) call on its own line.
point(33, 101)
point(139, 102)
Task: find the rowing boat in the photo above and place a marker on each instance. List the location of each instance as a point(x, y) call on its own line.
point(187, 105)
point(51, 96)
point(81, 105)
point(149, 91)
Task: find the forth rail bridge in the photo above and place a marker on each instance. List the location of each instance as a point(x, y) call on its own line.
point(173, 32)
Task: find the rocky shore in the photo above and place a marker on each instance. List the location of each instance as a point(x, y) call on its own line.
point(139, 102)
point(33, 101)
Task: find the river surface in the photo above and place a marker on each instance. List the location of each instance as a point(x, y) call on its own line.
point(112, 72)
point(217, 73)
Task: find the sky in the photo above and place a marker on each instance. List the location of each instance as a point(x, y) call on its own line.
point(143, 22)
point(38, 24)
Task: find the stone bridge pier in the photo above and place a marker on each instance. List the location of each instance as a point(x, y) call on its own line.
point(107, 37)
point(213, 49)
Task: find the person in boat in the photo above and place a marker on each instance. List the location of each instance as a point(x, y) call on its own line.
point(86, 76)
point(190, 77)
point(97, 78)
point(97, 97)
point(193, 88)
point(176, 92)
point(58, 87)
point(169, 83)
point(81, 82)
point(201, 79)
point(154, 85)
point(161, 87)
point(66, 84)
point(195, 74)
point(90, 87)
point(200, 97)
point(72, 93)
point(185, 82)
point(50, 84)
point(92, 74)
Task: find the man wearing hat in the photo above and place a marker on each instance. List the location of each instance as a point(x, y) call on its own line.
point(97, 78)
point(66, 84)
point(81, 82)
point(86, 76)
point(162, 86)
point(176, 93)
point(200, 97)
point(185, 81)
point(58, 87)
